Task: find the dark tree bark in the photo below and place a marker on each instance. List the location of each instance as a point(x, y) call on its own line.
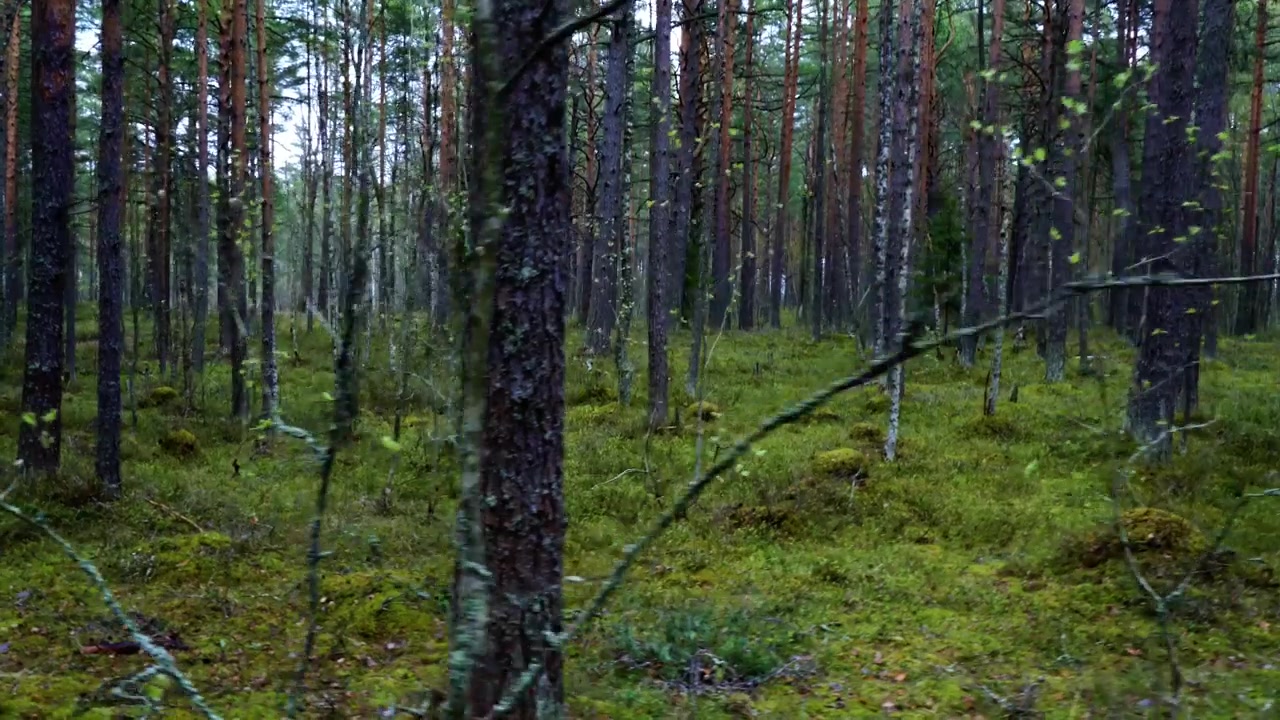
point(111, 248)
point(721, 248)
point(1064, 156)
point(53, 186)
point(202, 188)
point(984, 204)
point(857, 144)
point(820, 172)
point(270, 371)
point(747, 257)
point(14, 275)
point(682, 211)
point(658, 270)
point(791, 60)
point(326, 190)
point(9, 20)
point(230, 258)
point(158, 236)
point(604, 286)
point(1248, 311)
point(1125, 240)
point(1213, 70)
point(522, 515)
point(1169, 167)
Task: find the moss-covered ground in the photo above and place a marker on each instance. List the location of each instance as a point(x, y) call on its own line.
point(806, 585)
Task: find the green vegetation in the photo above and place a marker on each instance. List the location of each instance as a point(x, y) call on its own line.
point(985, 556)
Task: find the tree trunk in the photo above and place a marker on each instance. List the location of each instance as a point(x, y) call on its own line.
point(989, 139)
point(791, 64)
point(1168, 168)
point(747, 258)
point(230, 259)
point(14, 276)
point(1247, 313)
point(721, 288)
point(884, 165)
point(326, 185)
point(1063, 158)
point(202, 188)
point(1213, 70)
point(513, 481)
point(110, 171)
point(604, 287)
point(906, 108)
point(270, 371)
point(659, 214)
point(820, 172)
point(53, 186)
point(9, 20)
point(856, 159)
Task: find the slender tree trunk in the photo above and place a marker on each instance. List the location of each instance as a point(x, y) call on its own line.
point(1168, 166)
point(202, 188)
point(820, 172)
point(230, 259)
point(1247, 313)
point(906, 107)
point(721, 288)
point(604, 301)
point(270, 371)
point(326, 189)
point(1062, 232)
point(684, 220)
point(110, 171)
point(9, 22)
point(659, 214)
point(747, 259)
point(1213, 70)
point(14, 275)
point(791, 62)
point(856, 159)
point(53, 186)
point(306, 303)
point(884, 165)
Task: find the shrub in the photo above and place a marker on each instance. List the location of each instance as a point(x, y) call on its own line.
point(704, 410)
point(159, 397)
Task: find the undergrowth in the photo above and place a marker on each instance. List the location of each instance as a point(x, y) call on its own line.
point(816, 581)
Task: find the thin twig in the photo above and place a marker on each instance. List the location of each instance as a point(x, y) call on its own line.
point(176, 514)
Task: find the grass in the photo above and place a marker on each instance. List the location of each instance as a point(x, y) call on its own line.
point(790, 591)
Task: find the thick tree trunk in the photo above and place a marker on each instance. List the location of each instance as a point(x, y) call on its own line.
point(514, 486)
point(53, 186)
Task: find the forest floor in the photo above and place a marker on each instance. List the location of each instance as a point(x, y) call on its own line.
point(975, 576)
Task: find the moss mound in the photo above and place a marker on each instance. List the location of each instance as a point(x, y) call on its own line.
point(994, 427)
point(841, 463)
point(1150, 530)
point(866, 432)
point(179, 444)
point(822, 415)
point(760, 518)
point(181, 559)
point(159, 397)
point(703, 410)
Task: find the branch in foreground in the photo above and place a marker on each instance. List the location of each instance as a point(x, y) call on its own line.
point(164, 662)
point(557, 36)
point(910, 346)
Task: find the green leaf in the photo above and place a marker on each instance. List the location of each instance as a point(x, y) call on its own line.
point(49, 416)
point(327, 397)
point(390, 444)
point(1074, 259)
point(1039, 155)
point(29, 418)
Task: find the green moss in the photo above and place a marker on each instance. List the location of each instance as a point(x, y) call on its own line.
point(1149, 530)
point(160, 396)
point(866, 432)
point(760, 518)
point(180, 443)
point(994, 427)
point(703, 410)
point(840, 463)
point(379, 605)
point(181, 560)
point(822, 415)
